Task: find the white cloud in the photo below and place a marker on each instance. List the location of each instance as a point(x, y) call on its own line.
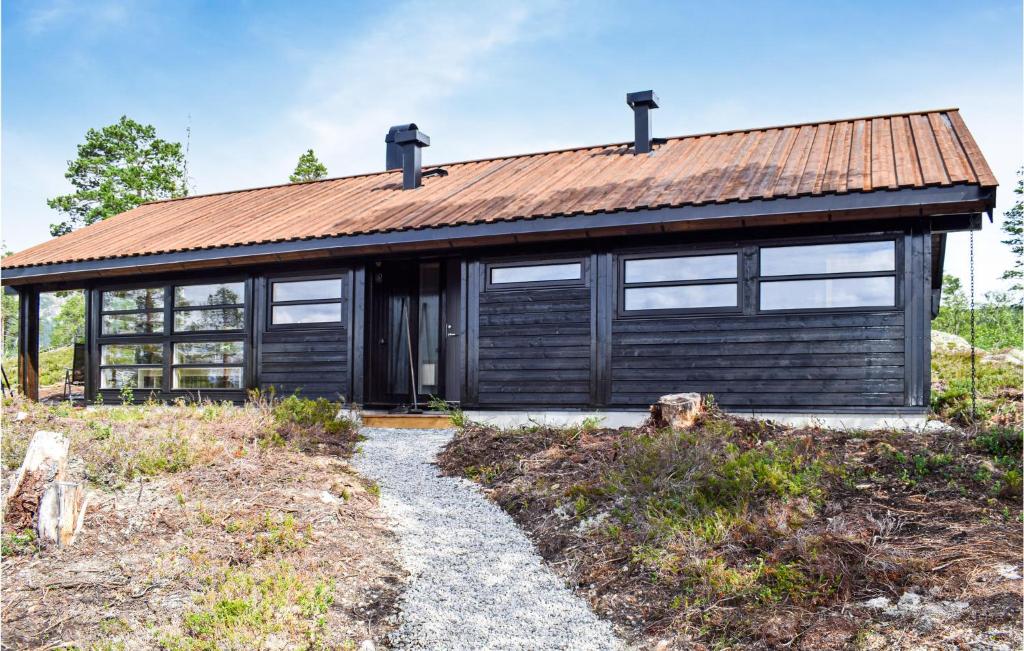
point(408, 61)
point(86, 15)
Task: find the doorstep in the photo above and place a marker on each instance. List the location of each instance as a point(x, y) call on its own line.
point(406, 421)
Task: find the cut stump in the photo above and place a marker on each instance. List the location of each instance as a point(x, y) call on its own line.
point(677, 410)
point(40, 498)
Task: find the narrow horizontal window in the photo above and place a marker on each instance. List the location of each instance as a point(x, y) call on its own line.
point(681, 297)
point(126, 354)
point(307, 290)
point(231, 318)
point(134, 378)
point(209, 352)
point(697, 267)
point(821, 259)
point(215, 294)
point(148, 298)
point(216, 377)
point(131, 324)
point(536, 273)
point(828, 292)
point(306, 313)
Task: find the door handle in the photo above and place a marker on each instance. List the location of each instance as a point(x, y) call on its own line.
point(450, 331)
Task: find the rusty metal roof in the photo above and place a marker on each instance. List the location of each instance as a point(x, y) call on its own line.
point(913, 150)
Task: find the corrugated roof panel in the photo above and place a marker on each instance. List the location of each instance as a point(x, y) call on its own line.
point(863, 154)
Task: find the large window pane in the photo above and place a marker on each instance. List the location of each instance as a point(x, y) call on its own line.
point(149, 298)
point(681, 297)
point(208, 352)
point(311, 313)
point(536, 273)
point(202, 320)
point(217, 294)
point(700, 267)
point(118, 354)
point(828, 258)
point(307, 290)
point(828, 292)
point(208, 378)
point(135, 378)
point(141, 323)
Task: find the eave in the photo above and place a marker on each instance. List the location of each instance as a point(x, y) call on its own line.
point(904, 204)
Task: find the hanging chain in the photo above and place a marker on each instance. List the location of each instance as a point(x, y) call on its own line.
point(974, 369)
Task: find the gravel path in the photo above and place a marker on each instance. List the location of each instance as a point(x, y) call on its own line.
point(476, 580)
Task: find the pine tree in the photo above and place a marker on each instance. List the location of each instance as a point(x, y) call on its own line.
point(309, 168)
point(119, 167)
point(1013, 227)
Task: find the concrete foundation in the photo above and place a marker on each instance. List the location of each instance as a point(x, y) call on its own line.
point(853, 421)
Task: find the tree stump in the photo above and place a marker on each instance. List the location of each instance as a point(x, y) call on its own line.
point(61, 513)
point(40, 498)
point(677, 410)
point(45, 462)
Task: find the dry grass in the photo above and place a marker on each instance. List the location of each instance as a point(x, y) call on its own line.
point(210, 526)
point(744, 534)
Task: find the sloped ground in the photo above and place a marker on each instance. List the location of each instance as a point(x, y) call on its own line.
point(744, 534)
point(208, 527)
point(476, 581)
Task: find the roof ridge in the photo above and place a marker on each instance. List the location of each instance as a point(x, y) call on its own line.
point(556, 151)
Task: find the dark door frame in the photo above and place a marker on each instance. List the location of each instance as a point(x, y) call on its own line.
point(386, 279)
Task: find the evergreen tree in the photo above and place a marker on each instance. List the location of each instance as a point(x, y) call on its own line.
point(309, 168)
point(118, 168)
point(1013, 228)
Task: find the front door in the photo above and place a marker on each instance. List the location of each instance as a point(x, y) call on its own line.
point(403, 344)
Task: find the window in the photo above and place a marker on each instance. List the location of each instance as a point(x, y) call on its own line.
point(694, 282)
point(561, 273)
point(304, 302)
point(136, 366)
point(173, 338)
point(826, 276)
point(209, 308)
point(208, 365)
point(132, 311)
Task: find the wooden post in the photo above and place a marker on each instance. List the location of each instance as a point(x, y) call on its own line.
point(28, 342)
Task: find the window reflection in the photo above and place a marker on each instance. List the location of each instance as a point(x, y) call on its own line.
point(697, 267)
point(828, 258)
point(536, 273)
point(216, 294)
point(828, 292)
point(681, 297)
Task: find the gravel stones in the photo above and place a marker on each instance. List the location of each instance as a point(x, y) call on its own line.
point(476, 581)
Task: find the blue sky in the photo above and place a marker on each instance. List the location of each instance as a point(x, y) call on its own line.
point(260, 82)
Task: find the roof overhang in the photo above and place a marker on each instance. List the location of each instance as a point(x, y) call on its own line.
point(883, 204)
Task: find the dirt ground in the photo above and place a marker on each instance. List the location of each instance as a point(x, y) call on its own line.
point(913, 541)
point(252, 545)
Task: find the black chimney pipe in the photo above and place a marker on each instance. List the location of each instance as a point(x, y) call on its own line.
point(411, 141)
point(394, 150)
point(642, 102)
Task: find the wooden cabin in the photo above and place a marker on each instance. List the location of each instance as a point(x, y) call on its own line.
point(790, 269)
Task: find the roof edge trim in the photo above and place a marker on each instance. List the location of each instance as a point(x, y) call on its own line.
point(909, 202)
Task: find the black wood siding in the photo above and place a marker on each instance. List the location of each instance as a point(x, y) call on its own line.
point(535, 347)
point(314, 361)
point(762, 361)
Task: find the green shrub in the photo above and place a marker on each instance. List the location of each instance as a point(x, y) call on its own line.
point(306, 412)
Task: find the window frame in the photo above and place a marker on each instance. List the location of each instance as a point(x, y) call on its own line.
point(195, 308)
point(339, 276)
point(170, 336)
point(621, 284)
point(895, 274)
point(582, 281)
point(162, 311)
